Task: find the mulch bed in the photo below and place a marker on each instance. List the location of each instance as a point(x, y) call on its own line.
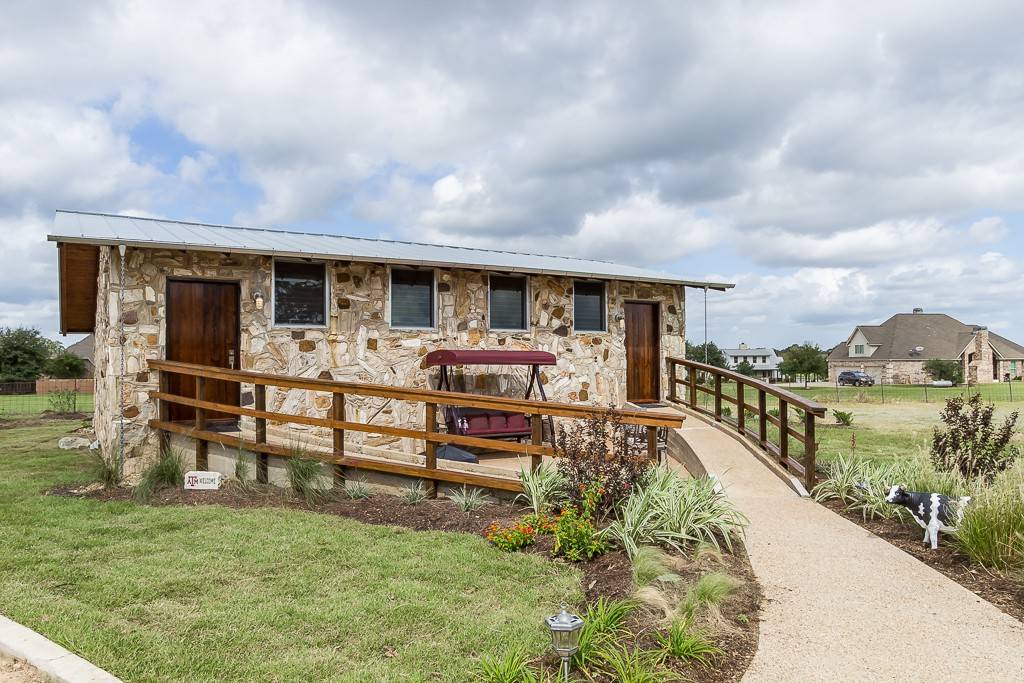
point(47, 417)
point(1005, 593)
point(610, 575)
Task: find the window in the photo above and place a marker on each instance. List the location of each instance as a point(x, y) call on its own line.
point(858, 349)
point(508, 303)
point(412, 298)
point(588, 306)
point(300, 294)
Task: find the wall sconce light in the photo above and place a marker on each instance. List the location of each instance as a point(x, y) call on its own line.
point(258, 300)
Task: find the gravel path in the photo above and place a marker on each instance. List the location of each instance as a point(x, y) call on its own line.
point(844, 605)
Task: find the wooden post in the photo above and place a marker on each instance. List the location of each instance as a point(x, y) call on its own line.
point(537, 439)
point(718, 397)
point(260, 392)
point(762, 418)
point(671, 380)
point(692, 376)
point(338, 413)
point(431, 464)
point(202, 461)
point(652, 443)
point(783, 431)
point(165, 409)
point(741, 407)
point(810, 450)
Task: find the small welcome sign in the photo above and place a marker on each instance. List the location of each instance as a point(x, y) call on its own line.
point(202, 480)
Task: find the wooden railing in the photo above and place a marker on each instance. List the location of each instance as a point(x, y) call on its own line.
point(536, 449)
point(767, 421)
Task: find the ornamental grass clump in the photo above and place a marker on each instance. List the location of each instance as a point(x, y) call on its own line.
point(304, 478)
point(469, 500)
point(167, 471)
point(992, 530)
point(543, 488)
point(971, 443)
point(672, 512)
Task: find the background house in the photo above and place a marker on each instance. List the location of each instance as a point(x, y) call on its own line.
point(895, 351)
point(764, 360)
point(85, 349)
point(352, 309)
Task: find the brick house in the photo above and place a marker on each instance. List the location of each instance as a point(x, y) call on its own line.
point(895, 351)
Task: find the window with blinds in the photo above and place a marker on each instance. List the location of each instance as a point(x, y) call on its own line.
point(412, 298)
point(508, 303)
point(300, 294)
point(588, 306)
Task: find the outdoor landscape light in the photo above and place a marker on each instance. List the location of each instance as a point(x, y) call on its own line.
point(258, 299)
point(565, 636)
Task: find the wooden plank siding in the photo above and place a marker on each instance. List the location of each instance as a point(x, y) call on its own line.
point(79, 270)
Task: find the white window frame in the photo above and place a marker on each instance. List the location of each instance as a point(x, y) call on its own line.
point(433, 295)
point(526, 303)
point(604, 308)
point(273, 296)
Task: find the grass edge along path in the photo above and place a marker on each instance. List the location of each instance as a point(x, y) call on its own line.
point(209, 593)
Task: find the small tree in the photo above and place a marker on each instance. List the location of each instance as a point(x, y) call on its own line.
point(23, 354)
point(65, 365)
point(970, 444)
point(714, 355)
point(949, 370)
point(745, 368)
point(807, 359)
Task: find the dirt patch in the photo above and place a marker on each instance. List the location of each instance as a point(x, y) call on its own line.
point(609, 576)
point(15, 671)
point(43, 419)
point(1005, 593)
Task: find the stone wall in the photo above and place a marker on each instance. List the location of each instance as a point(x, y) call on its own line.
point(358, 344)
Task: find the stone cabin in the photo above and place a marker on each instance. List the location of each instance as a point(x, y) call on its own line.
point(351, 309)
point(895, 351)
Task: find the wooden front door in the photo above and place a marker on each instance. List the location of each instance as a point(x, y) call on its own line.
point(643, 353)
point(203, 328)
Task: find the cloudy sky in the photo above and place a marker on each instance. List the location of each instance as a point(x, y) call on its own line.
point(838, 162)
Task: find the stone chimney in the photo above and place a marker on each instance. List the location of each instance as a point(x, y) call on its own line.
point(918, 311)
point(983, 357)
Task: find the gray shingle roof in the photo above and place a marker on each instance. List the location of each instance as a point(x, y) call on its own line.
point(99, 228)
point(941, 336)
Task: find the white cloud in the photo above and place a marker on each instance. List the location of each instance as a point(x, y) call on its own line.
point(988, 230)
point(193, 170)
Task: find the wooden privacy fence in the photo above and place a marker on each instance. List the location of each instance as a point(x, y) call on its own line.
point(339, 425)
point(754, 420)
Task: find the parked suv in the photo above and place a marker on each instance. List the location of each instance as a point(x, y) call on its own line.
point(855, 378)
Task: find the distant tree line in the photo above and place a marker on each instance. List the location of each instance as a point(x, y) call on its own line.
point(806, 361)
point(26, 355)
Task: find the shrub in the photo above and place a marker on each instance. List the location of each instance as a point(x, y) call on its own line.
point(304, 478)
point(167, 471)
point(469, 500)
point(245, 467)
point(674, 512)
point(843, 417)
point(415, 493)
point(357, 489)
point(971, 444)
point(600, 449)
point(511, 538)
point(576, 537)
point(544, 524)
point(992, 530)
point(683, 642)
point(726, 411)
point(774, 412)
point(62, 402)
point(939, 369)
point(543, 488)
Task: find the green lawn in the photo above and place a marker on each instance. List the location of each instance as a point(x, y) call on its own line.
point(994, 393)
point(33, 404)
point(217, 594)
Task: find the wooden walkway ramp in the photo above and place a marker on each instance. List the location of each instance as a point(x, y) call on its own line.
point(842, 604)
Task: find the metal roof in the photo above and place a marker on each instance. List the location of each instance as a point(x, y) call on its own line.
point(134, 231)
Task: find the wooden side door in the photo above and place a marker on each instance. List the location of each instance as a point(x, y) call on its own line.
point(203, 328)
point(643, 353)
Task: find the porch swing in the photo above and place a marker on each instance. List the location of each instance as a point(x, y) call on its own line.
point(485, 422)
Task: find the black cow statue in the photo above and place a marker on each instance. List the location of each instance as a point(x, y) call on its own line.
point(933, 511)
